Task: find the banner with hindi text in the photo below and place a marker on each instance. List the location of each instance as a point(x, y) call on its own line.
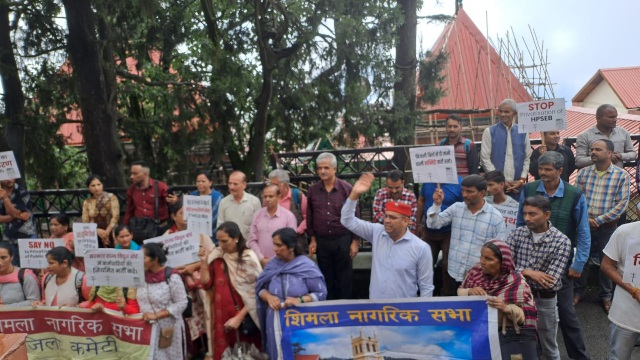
point(423, 328)
point(72, 333)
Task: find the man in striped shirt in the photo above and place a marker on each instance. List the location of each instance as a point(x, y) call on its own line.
point(606, 188)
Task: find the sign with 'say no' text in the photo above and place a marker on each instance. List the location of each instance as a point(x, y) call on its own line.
point(111, 267)
point(8, 166)
point(33, 252)
point(434, 164)
point(542, 115)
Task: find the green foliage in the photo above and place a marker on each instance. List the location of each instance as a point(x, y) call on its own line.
point(430, 77)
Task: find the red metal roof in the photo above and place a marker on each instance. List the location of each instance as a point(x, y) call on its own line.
point(471, 83)
point(624, 81)
point(580, 119)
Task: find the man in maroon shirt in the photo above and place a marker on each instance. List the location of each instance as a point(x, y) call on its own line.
point(333, 244)
point(141, 199)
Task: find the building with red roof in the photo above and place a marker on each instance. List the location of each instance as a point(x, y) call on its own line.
point(619, 87)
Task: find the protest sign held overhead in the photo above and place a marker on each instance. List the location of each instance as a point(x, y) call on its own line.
point(182, 247)
point(33, 252)
point(85, 237)
point(542, 115)
point(111, 267)
point(198, 213)
point(8, 166)
point(434, 164)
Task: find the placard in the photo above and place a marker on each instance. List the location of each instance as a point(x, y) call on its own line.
point(510, 214)
point(542, 115)
point(8, 166)
point(434, 164)
point(111, 267)
point(198, 213)
point(632, 264)
point(182, 247)
point(85, 237)
point(33, 252)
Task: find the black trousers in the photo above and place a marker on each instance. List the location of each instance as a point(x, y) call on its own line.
point(336, 265)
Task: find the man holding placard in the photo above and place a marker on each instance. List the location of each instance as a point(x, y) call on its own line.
point(15, 212)
point(552, 143)
point(605, 128)
point(473, 223)
point(507, 150)
point(620, 264)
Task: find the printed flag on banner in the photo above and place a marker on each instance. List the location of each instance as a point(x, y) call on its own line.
point(182, 246)
point(8, 166)
point(542, 115)
point(73, 333)
point(111, 267)
point(33, 252)
point(423, 328)
point(434, 164)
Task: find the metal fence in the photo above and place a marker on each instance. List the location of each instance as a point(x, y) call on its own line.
point(302, 167)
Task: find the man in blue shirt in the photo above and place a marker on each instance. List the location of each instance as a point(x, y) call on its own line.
point(569, 215)
point(401, 262)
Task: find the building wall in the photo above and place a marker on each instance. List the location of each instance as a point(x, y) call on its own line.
point(603, 94)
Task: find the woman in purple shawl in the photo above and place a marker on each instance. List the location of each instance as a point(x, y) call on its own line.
point(288, 279)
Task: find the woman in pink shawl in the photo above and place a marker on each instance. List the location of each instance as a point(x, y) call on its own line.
point(495, 276)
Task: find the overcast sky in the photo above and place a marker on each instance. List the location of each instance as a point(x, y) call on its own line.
point(581, 36)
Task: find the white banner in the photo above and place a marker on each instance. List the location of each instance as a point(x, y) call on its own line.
point(111, 267)
point(198, 213)
point(182, 246)
point(434, 164)
point(85, 237)
point(542, 115)
point(632, 264)
point(33, 252)
point(8, 166)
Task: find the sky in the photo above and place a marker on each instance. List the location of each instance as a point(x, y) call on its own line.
point(581, 36)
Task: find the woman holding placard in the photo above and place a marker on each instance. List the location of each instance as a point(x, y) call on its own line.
point(162, 301)
point(63, 285)
point(60, 228)
point(204, 186)
point(233, 270)
point(18, 287)
point(101, 208)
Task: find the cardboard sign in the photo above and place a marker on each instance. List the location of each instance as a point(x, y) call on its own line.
point(183, 247)
point(510, 215)
point(111, 267)
point(632, 264)
point(8, 166)
point(199, 214)
point(33, 252)
point(542, 115)
point(434, 164)
point(85, 237)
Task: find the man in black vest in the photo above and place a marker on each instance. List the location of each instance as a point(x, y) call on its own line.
point(569, 215)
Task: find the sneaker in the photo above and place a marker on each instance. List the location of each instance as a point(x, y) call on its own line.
point(595, 261)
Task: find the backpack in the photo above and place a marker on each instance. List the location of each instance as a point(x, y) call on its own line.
point(78, 281)
point(188, 311)
point(21, 280)
point(295, 194)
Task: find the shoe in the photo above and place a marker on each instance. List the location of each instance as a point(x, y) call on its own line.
point(606, 304)
point(576, 299)
point(595, 261)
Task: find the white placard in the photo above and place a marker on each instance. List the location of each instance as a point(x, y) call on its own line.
point(85, 238)
point(198, 213)
point(510, 215)
point(111, 267)
point(434, 164)
point(542, 115)
point(632, 263)
point(8, 166)
point(33, 252)
point(182, 246)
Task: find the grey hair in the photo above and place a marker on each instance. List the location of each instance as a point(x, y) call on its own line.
point(281, 175)
point(510, 102)
point(327, 156)
point(552, 157)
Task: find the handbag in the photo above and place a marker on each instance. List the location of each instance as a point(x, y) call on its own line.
point(144, 228)
point(166, 333)
point(247, 327)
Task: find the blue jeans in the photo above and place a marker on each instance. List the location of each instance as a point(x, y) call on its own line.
point(621, 342)
point(548, 327)
point(599, 239)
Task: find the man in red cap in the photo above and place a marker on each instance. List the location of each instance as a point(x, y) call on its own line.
point(401, 265)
